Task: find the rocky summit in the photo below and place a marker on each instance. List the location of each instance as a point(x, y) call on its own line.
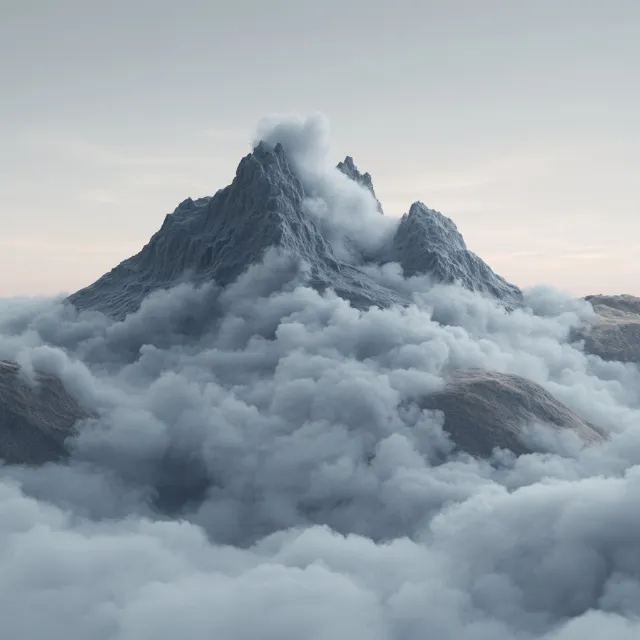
point(215, 239)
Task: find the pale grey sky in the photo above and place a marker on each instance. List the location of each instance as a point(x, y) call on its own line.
point(519, 119)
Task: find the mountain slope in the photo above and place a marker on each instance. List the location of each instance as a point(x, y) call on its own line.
point(486, 409)
point(428, 242)
point(615, 333)
point(34, 421)
point(218, 238)
point(348, 167)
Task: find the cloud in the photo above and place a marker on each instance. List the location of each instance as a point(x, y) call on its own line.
point(347, 212)
point(258, 467)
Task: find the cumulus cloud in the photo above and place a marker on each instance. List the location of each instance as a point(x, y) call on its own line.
point(257, 465)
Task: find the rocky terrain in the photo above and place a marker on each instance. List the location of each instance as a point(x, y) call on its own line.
point(35, 420)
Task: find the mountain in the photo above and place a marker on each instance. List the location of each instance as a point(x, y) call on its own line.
point(348, 167)
point(485, 409)
point(217, 238)
point(428, 242)
point(35, 420)
point(615, 332)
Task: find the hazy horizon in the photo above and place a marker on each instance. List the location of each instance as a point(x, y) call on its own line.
point(519, 122)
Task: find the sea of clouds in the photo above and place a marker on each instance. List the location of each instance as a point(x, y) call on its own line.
point(257, 464)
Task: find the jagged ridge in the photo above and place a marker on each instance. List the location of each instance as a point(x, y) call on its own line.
point(217, 238)
point(428, 242)
point(348, 167)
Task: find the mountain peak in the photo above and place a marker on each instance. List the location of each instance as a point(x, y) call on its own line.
point(442, 231)
point(219, 237)
point(349, 168)
point(429, 242)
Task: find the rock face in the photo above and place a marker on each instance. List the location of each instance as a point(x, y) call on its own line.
point(217, 238)
point(615, 334)
point(348, 167)
point(428, 242)
point(34, 421)
point(623, 302)
point(485, 409)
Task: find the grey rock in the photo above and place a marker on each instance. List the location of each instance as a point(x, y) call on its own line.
point(34, 420)
point(217, 238)
point(614, 334)
point(428, 242)
point(485, 409)
point(621, 302)
point(348, 167)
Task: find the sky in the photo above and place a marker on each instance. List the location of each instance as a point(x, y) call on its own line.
point(517, 119)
